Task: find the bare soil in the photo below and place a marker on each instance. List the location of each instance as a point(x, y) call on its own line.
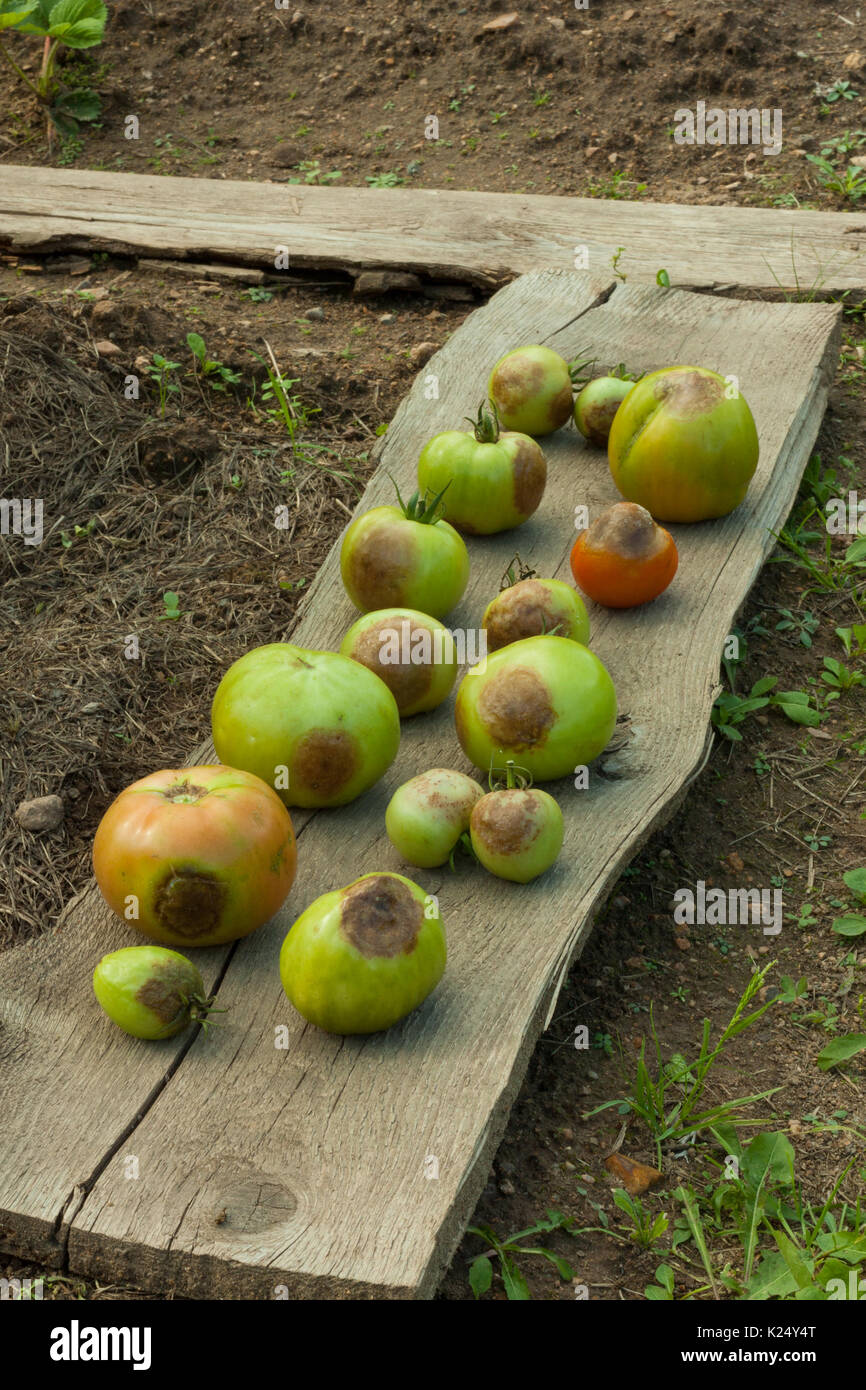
point(148, 502)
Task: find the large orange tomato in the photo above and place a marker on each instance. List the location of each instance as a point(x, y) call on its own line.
point(195, 856)
point(683, 444)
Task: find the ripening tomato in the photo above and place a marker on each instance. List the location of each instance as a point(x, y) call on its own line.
point(316, 725)
point(489, 480)
point(195, 856)
point(412, 653)
point(546, 702)
point(532, 607)
point(150, 992)
point(361, 958)
point(624, 558)
point(531, 388)
point(404, 557)
point(684, 445)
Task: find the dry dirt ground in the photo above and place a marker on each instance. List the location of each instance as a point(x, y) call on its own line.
point(160, 500)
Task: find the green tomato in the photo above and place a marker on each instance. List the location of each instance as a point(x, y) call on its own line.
point(361, 958)
point(531, 389)
point(149, 991)
point(516, 833)
point(491, 481)
point(532, 607)
point(427, 815)
point(389, 560)
point(597, 404)
point(317, 727)
point(545, 702)
point(412, 653)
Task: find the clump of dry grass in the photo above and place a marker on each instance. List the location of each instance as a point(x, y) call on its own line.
point(78, 717)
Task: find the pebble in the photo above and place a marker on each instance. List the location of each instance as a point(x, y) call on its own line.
point(315, 314)
point(421, 353)
point(387, 318)
point(502, 21)
point(41, 813)
point(105, 348)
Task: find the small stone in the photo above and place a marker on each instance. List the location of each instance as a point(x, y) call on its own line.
point(593, 1075)
point(682, 943)
point(502, 21)
point(387, 318)
point(670, 36)
point(621, 901)
point(91, 707)
point(566, 1135)
point(421, 353)
point(105, 348)
point(613, 158)
point(854, 60)
point(506, 1188)
point(315, 314)
point(635, 962)
point(591, 150)
point(735, 862)
point(629, 14)
point(285, 155)
point(374, 282)
point(42, 813)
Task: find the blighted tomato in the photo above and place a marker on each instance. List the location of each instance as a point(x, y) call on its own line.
point(195, 856)
point(150, 992)
point(404, 557)
point(684, 445)
point(516, 832)
point(624, 558)
point(531, 388)
point(412, 653)
point(489, 480)
point(597, 404)
point(316, 725)
point(532, 607)
point(361, 958)
point(546, 702)
point(427, 815)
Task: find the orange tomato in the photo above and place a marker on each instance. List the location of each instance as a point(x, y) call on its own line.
point(624, 558)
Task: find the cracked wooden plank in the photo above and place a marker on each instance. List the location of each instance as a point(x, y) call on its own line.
point(349, 1167)
point(482, 238)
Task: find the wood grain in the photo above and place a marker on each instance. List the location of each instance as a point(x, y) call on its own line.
point(261, 1169)
point(482, 238)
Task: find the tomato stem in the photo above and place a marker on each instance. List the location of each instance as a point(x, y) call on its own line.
point(524, 571)
point(418, 508)
point(580, 369)
point(486, 424)
point(514, 776)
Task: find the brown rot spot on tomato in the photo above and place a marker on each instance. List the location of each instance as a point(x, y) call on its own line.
point(516, 709)
point(625, 529)
point(524, 610)
point(690, 393)
point(189, 903)
point(164, 993)
point(517, 380)
point(408, 681)
point(325, 761)
point(449, 803)
point(184, 791)
point(379, 916)
point(505, 821)
point(380, 563)
point(561, 406)
point(530, 476)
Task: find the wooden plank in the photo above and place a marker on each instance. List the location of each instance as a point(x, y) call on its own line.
point(307, 1168)
point(483, 238)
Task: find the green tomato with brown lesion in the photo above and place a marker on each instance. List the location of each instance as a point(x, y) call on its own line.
point(429, 814)
point(532, 389)
point(404, 557)
point(490, 480)
point(546, 702)
point(150, 991)
point(414, 654)
point(362, 957)
point(533, 607)
point(597, 404)
point(516, 832)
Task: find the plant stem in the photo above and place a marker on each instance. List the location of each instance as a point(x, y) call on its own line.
point(15, 68)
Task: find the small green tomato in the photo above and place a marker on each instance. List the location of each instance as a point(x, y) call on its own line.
point(149, 991)
point(490, 481)
point(412, 653)
point(532, 607)
point(427, 815)
point(597, 404)
point(516, 832)
point(361, 958)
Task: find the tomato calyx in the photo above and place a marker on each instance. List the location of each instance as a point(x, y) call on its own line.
point(621, 373)
point(508, 778)
point(418, 508)
point(510, 577)
point(200, 1007)
point(464, 846)
point(486, 425)
point(580, 369)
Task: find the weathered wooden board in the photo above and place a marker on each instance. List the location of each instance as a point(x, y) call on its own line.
point(484, 238)
point(310, 1167)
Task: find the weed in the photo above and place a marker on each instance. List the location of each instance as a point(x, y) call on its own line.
point(506, 1252)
